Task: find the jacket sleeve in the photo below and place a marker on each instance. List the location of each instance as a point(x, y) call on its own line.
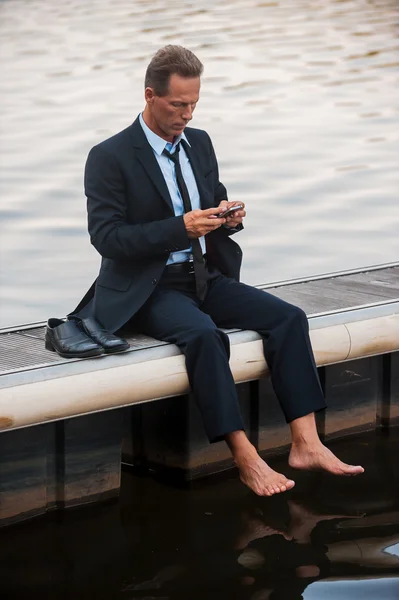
point(110, 233)
point(220, 192)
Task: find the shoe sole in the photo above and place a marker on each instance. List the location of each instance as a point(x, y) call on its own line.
point(80, 355)
point(116, 351)
point(50, 347)
point(90, 354)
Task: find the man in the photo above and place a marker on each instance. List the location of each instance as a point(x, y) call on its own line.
point(168, 259)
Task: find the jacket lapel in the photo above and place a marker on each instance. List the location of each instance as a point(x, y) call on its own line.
point(206, 199)
point(146, 156)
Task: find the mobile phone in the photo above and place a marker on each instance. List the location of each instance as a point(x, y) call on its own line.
point(230, 211)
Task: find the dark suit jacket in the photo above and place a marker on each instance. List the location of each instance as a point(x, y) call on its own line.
point(132, 223)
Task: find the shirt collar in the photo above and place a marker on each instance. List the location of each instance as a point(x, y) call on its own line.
point(157, 143)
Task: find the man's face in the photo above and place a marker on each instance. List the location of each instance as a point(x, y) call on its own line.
point(170, 114)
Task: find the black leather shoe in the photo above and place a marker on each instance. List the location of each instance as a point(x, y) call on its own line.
point(110, 342)
point(66, 338)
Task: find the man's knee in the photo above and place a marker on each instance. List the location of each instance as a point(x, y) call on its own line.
point(297, 315)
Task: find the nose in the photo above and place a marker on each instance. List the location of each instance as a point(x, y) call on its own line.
point(188, 113)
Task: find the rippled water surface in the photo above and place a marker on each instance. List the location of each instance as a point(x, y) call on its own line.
point(328, 539)
point(299, 96)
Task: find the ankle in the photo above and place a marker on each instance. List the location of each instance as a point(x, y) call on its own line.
point(305, 445)
point(245, 457)
point(304, 431)
point(303, 441)
point(240, 446)
point(305, 438)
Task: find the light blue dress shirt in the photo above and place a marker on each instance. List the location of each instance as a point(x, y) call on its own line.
point(167, 167)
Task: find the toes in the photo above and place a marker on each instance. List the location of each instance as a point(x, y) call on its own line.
point(266, 491)
point(343, 469)
point(282, 487)
point(355, 471)
point(338, 470)
point(271, 490)
point(358, 469)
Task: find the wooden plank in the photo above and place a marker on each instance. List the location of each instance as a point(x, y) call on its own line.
point(387, 277)
point(347, 296)
point(382, 280)
point(319, 298)
point(336, 297)
point(391, 274)
point(332, 286)
point(371, 289)
point(365, 286)
point(355, 296)
point(309, 303)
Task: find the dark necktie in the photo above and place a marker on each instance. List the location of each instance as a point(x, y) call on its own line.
point(198, 259)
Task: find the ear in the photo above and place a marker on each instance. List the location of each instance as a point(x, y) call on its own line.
point(149, 95)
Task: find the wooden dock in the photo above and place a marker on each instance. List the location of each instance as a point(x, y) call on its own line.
point(50, 458)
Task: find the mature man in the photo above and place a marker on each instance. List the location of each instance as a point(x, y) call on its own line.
point(154, 200)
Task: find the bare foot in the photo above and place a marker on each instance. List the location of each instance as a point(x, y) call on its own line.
point(255, 529)
point(315, 456)
point(303, 521)
point(260, 478)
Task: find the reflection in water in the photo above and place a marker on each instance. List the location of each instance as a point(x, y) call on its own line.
point(217, 541)
point(293, 91)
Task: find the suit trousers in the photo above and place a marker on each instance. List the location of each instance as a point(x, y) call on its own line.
point(174, 314)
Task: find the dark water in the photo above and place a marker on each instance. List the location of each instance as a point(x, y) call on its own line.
point(330, 538)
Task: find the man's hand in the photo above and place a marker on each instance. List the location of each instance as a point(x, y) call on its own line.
point(200, 222)
point(237, 217)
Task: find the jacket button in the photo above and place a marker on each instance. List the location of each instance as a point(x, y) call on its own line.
point(154, 281)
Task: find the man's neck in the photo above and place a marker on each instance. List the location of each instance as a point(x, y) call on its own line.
point(151, 124)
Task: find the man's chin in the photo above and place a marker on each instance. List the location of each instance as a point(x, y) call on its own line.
point(179, 129)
